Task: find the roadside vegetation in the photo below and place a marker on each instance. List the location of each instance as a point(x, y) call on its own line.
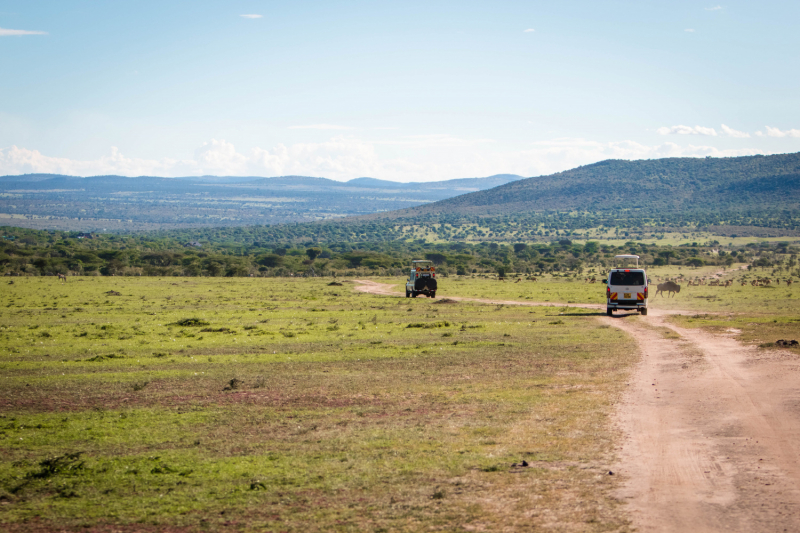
point(300, 405)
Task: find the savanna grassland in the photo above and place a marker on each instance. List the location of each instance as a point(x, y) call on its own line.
point(194, 404)
point(758, 314)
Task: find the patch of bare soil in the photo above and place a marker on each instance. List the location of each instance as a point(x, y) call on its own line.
point(712, 434)
point(711, 430)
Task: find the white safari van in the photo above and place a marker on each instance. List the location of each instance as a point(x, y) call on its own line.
point(626, 286)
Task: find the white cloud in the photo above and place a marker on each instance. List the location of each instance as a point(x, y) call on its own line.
point(689, 30)
point(775, 132)
point(16, 160)
point(252, 16)
point(687, 130)
point(715, 8)
point(730, 132)
point(320, 127)
point(4, 32)
point(529, 30)
point(220, 157)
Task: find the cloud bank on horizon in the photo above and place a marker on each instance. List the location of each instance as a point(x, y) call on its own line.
point(343, 158)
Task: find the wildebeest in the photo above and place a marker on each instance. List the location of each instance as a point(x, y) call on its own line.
point(668, 286)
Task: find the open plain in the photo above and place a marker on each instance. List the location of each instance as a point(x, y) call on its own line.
point(205, 404)
point(296, 405)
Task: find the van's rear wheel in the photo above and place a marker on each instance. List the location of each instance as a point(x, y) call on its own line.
point(644, 311)
point(609, 311)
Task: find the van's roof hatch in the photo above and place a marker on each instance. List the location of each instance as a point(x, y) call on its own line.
point(623, 260)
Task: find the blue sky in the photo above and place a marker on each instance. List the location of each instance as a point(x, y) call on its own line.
point(409, 91)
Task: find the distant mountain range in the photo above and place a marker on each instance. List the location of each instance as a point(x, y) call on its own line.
point(744, 191)
point(123, 183)
point(121, 203)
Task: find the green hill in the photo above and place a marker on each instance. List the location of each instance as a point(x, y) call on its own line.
point(650, 187)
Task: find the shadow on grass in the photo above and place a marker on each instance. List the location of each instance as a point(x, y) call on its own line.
point(596, 313)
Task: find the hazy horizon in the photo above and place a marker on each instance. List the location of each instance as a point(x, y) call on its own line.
point(249, 177)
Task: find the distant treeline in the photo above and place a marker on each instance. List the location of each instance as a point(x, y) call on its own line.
point(227, 253)
point(529, 227)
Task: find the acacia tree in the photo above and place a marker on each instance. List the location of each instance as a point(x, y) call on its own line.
point(313, 253)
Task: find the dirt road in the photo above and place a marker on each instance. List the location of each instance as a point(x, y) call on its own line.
point(711, 429)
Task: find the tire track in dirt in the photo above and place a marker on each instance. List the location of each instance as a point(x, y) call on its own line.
point(711, 428)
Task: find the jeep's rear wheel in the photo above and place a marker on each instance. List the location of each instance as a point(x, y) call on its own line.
point(413, 294)
point(408, 293)
point(433, 294)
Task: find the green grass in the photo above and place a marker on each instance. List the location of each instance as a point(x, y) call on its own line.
point(758, 315)
point(546, 289)
point(288, 404)
point(291, 405)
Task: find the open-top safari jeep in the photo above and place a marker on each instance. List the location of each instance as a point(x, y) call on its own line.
point(422, 279)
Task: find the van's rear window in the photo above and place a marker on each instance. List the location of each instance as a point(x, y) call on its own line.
point(627, 278)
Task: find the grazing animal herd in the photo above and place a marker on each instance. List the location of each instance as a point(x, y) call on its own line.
point(673, 288)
